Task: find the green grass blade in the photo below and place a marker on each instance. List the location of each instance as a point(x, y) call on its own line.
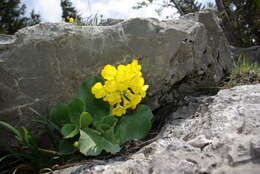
point(7, 156)
point(10, 128)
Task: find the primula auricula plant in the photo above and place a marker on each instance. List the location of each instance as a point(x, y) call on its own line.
point(99, 118)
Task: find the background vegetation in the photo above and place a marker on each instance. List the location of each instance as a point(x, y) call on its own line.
point(12, 16)
point(69, 11)
point(241, 21)
point(240, 18)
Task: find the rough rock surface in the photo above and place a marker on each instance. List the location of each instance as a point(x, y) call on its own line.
point(45, 64)
point(110, 21)
point(207, 135)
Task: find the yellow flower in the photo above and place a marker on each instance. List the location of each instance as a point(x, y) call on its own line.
point(118, 110)
point(111, 86)
point(109, 72)
point(71, 20)
point(124, 87)
point(112, 98)
point(143, 91)
point(76, 144)
point(135, 66)
point(134, 98)
point(99, 90)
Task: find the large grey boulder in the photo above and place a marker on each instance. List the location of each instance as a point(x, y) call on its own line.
point(45, 64)
point(207, 135)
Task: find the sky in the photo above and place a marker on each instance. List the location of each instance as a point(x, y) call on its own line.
point(50, 10)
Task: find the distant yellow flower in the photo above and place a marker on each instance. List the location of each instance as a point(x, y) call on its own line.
point(124, 87)
point(71, 20)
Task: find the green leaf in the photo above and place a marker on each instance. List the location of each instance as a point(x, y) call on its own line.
point(76, 107)
point(10, 128)
point(135, 126)
point(69, 130)
point(92, 143)
point(102, 127)
point(107, 126)
point(28, 139)
point(106, 123)
point(85, 120)
point(88, 145)
point(110, 120)
point(96, 107)
point(27, 135)
point(60, 114)
point(66, 147)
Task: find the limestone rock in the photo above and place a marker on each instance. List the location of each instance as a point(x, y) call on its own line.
point(45, 64)
point(225, 128)
point(110, 21)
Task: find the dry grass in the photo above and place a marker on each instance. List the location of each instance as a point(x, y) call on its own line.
point(244, 73)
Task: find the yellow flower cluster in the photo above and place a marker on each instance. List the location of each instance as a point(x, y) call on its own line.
point(124, 87)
